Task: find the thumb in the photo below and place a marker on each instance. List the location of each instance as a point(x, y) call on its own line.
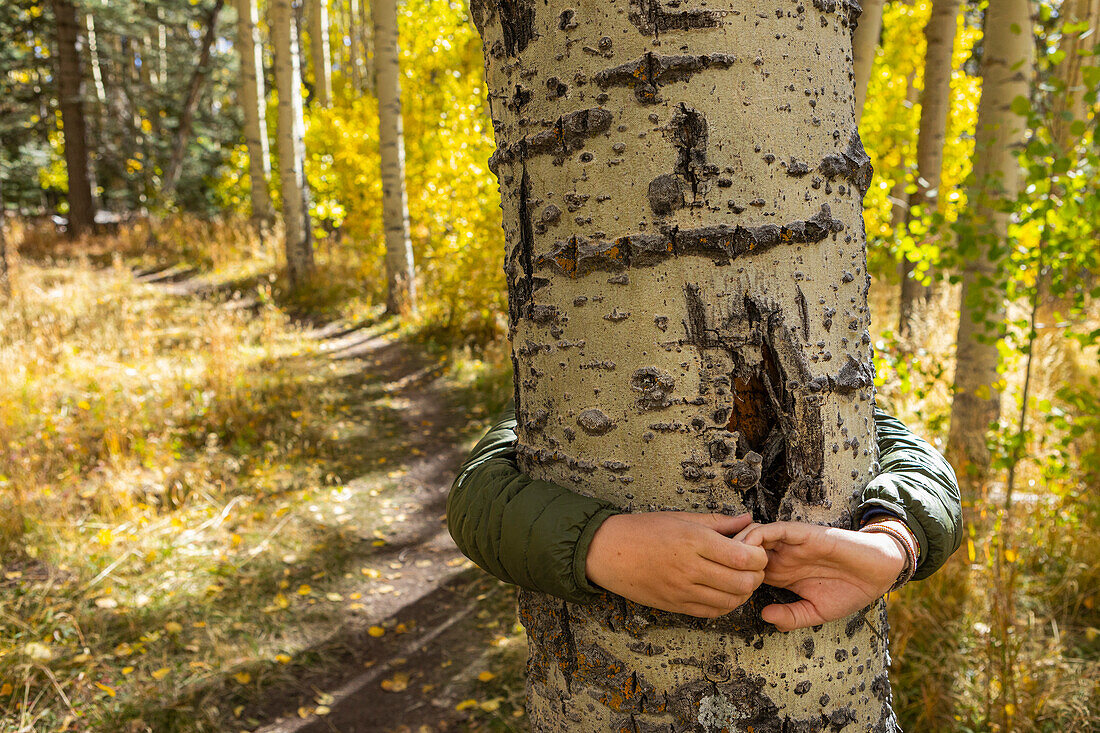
point(721, 523)
point(790, 616)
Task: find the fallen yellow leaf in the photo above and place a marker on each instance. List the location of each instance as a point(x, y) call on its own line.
point(109, 690)
point(322, 710)
point(490, 706)
point(282, 658)
point(243, 677)
point(1010, 555)
point(6, 689)
point(173, 628)
point(334, 597)
point(466, 705)
point(398, 683)
point(160, 673)
point(376, 631)
point(304, 590)
point(127, 670)
point(486, 676)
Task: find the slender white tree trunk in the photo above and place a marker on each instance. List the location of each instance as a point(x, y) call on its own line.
point(682, 203)
point(935, 101)
point(1007, 61)
point(319, 51)
point(299, 247)
point(864, 43)
point(400, 271)
point(1070, 105)
point(254, 104)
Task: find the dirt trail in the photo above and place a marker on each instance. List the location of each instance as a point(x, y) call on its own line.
point(437, 595)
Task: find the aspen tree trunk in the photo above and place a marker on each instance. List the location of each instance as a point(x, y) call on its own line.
point(935, 101)
point(682, 203)
point(1007, 61)
point(319, 51)
point(5, 276)
point(191, 102)
point(253, 102)
point(70, 99)
point(864, 43)
point(354, 49)
point(94, 62)
point(299, 247)
point(366, 42)
point(1070, 105)
point(400, 271)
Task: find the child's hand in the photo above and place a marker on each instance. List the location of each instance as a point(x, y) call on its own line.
point(836, 571)
point(677, 561)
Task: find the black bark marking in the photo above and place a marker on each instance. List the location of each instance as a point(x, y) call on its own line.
point(853, 165)
point(803, 311)
point(519, 99)
point(579, 256)
point(653, 386)
point(521, 258)
point(647, 73)
point(666, 194)
point(566, 137)
point(852, 377)
point(650, 18)
point(595, 422)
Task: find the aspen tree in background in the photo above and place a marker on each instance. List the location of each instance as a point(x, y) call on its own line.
point(191, 102)
point(682, 204)
point(864, 42)
point(5, 276)
point(320, 58)
point(291, 133)
point(253, 102)
point(1083, 17)
point(935, 104)
point(70, 100)
point(400, 271)
point(1007, 62)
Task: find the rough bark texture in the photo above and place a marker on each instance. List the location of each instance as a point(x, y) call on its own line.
point(682, 193)
point(864, 43)
point(319, 51)
point(1007, 63)
point(253, 102)
point(191, 102)
point(70, 100)
point(935, 101)
point(400, 272)
point(299, 247)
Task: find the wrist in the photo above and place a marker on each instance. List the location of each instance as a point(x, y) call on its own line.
point(902, 546)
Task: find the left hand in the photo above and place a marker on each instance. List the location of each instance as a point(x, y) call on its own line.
point(836, 571)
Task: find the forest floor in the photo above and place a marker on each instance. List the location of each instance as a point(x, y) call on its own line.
point(321, 591)
point(424, 649)
point(222, 511)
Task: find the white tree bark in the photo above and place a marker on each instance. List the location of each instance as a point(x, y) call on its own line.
point(1007, 64)
point(254, 104)
point(935, 101)
point(682, 191)
point(864, 44)
point(400, 271)
point(299, 248)
point(319, 51)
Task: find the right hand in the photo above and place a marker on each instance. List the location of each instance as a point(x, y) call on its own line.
point(677, 561)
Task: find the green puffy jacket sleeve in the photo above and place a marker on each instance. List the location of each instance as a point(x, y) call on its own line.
point(917, 484)
point(536, 534)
